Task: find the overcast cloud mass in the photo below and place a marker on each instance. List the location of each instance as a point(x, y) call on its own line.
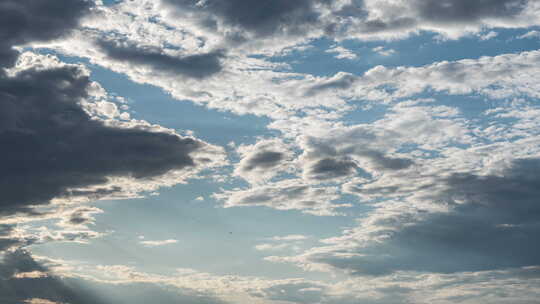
point(269, 152)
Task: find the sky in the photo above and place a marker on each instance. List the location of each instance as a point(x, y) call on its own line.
point(269, 152)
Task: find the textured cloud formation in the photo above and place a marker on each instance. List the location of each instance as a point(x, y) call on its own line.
point(260, 18)
point(491, 223)
point(24, 21)
point(284, 195)
point(195, 66)
point(352, 18)
point(468, 11)
point(343, 152)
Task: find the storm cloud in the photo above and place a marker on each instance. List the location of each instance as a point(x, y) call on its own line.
point(51, 145)
point(194, 66)
point(468, 11)
point(24, 21)
point(262, 18)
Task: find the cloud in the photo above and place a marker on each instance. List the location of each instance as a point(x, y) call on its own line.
point(197, 66)
point(285, 195)
point(51, 288)
point(263, 160)
point(485, 222)
point(80, 216)
point(158, 243)
point(259, 18)
point(496, 77)
point(24, 21)
point(456, 11)
point(342, 53)
point(329, 168)
point(290, 237)
point(346, 152)
point(54, 148)
point(530, 35)
point(46, 287)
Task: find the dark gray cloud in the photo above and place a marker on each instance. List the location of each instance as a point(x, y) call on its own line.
point(493, 224)
point(16, 290)
point(50, 144)
point(468, 11)
point(81, 216)
point(328, 168)
point(195, 66)
point(347, 154)
point(6, 240)
point(382, 162)
point(263, 160)
point(263, 18)
point(24, 21)
point(341, 81)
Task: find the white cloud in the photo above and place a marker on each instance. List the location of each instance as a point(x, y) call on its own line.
point(342, 53)
point(158, 243)
point(530, 35)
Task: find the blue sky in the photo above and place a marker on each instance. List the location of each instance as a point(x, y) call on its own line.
point(272, 152)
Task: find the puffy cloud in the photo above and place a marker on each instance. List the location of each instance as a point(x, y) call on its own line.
point(501, 76)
